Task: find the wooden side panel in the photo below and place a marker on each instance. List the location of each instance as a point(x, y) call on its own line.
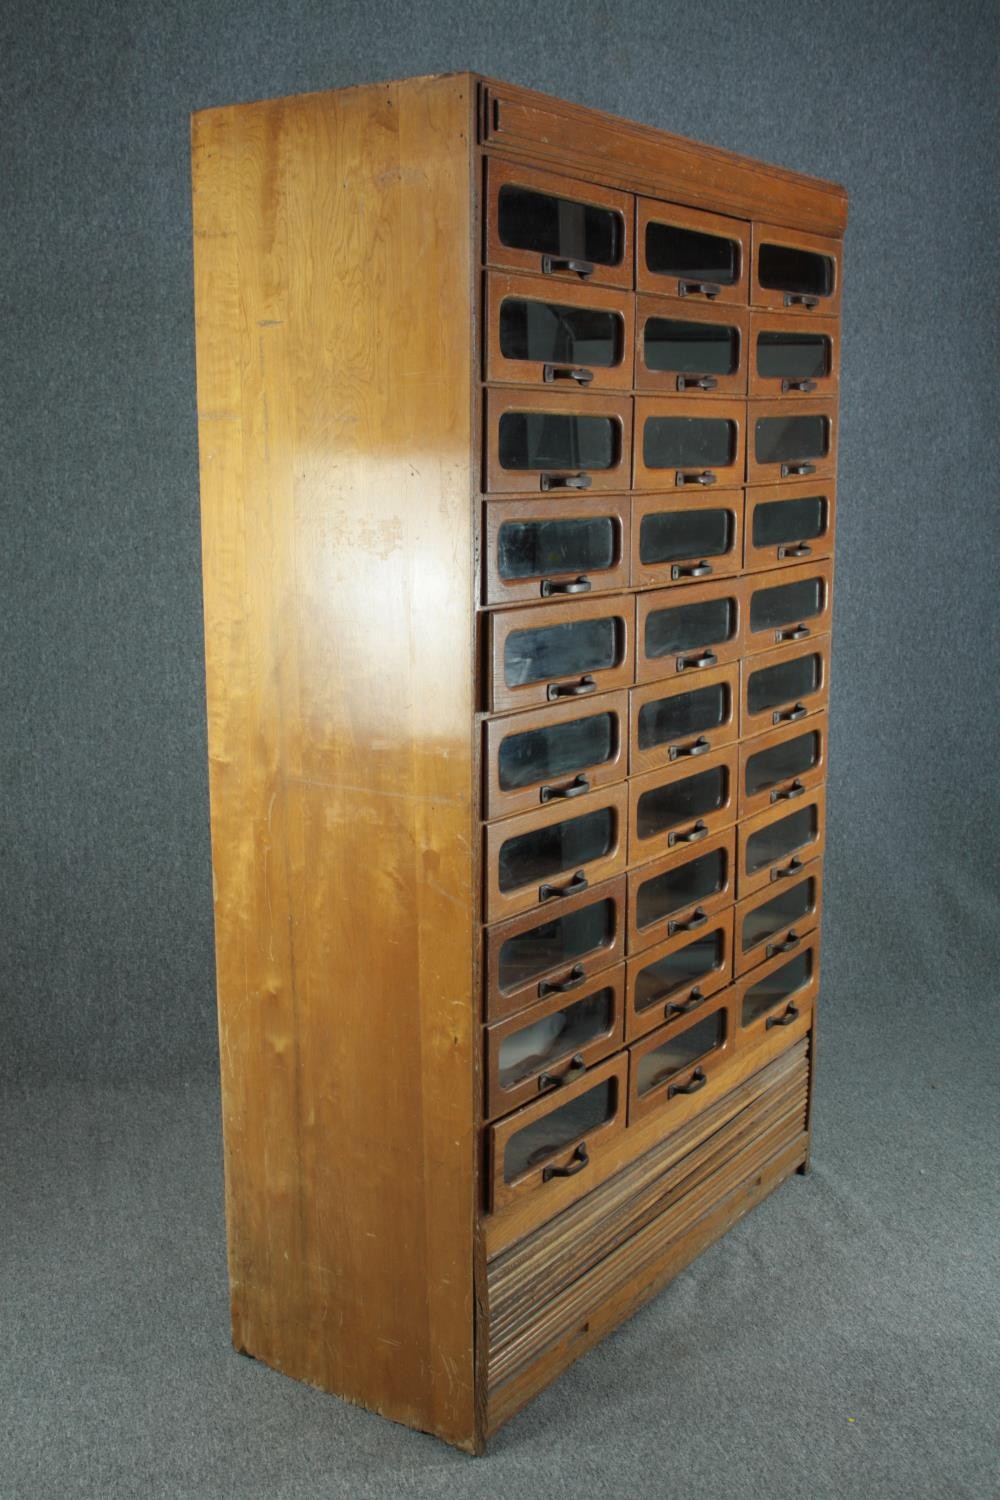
point(334, 292)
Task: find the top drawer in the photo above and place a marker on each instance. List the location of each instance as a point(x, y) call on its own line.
point(684, 252)
point(795, 271)
point(558, 227)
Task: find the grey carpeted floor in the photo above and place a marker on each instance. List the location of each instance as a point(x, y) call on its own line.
point(841, 1341)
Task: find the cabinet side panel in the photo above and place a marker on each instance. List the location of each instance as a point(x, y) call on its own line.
point(333, 292)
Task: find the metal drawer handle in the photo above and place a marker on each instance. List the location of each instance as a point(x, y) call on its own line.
point(579, 1160)
point(566, 481)
point(789, 715)
point(792, 868)
point(692, 570)
point(706, 659)
point(700, 746)
point(798, 385)
point(800, 299)
point(699, 831)
point(791, 1014)
point(579, 373)
point(550, 586)
point(791, 941)
point(785, 794)
point(575, 1067)
point(797, 633)
point(698, 918)
point(707, 476)
point(572, 887)
point(697, 1081)
point(684, 1007)
point(707, 289)
point(788, 471)
point(573, 980)
point(552, 263)
point(574, 788)
point(571, 689)
point(696, 382)
point(801, 549)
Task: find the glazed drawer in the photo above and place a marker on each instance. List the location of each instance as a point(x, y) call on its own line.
point(554, 754)
point(786, 523)
point(543, 953)
point(550, 653)
point(788, 605)
point(568, 231)
point(793, 356)
point(554, 1138)
point(795, 270)
point(679, 538)
point(550, 548)
point(784, 686)
point(681, 443)
point(674, 978)
point(695, 350)
point(680, 891)
point(782, 765)
point(774, 845)
point(777, 919)
point(551, 1044)
point(689, 629)
point(540, 858)
point(777, 992)
point(681, 805)
point(556, 441)
point(676, 1061)
point(791, 440)
point(560, 336)
point(684, 252)
point(674, 721)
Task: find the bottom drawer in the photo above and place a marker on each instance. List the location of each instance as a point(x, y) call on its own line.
point(777, 992)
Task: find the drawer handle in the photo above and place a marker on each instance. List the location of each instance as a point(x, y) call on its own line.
point(697, 1081)
point(692, 570)
point(573, 980)
point(552, 263)
point(801, 549)
point(792, 868)
point(789, 715)
point(797, 633)
point(798, 385)
point(706, 659)
point(698, 918)
point(579, 1160)
point(696, 382)
point(707, 476)
point(572, 887)
point(550, 586)
point(800, 299)
point(566, 481)
point(574, 788)
point(791, 1014)
point(699, 831)
point(684, 1007)
point(571, 689)
point(788, 471)
point(700, 746)
point(574, 1068)
point(788, 792)
point(791, 941)
point(707, 289)
point(579, 373)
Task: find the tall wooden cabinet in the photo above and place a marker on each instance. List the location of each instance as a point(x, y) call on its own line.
point(518, 437)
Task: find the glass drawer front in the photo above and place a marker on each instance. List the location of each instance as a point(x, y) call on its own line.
point(575, 648)
point(549, 441)
point(680, 801)
point(545, 224)
point(683, 886)
point(680, 1051)
point(682, 714)
point(777, 840)
point(533, 549)
point(793, 269)
point(680, 346)
point(785, 603)
point(531, 1049)
point(783, 523)
point(777, 914)
point(788, 439)
point(785, 682)
point(793, 356)
point(688, 443)
point(676, 535)
point(543, 1137)
point(556, 751)
point(690, 255)
point(686, 627)
point(679, 970)
point(560, 334)
point(556, 943)
point(769, 768)
point(536, 856)
point(781, 984)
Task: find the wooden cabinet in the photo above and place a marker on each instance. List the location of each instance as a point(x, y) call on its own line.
point(518, 441)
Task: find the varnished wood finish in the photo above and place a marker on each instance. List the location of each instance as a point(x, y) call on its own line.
point(695, 565)
point(692, 830)
point(795, 466)
point(643, 934)
point(691, 289)
point(691, 310)
point(500, 368)
point(501, 400)
point(780, 869)
point(501, 903)
point(797, 706)
point(683, 1082)
point(784, 938)
point(797, 627)
point(685, 479)
point(688, 747)
point(692, 661)
point(795, 549)
point(578, 686)
point(672, 1008)
point(769, 387)
point(787, 788)
point(498, 590)
point(500, 174)
point(799, 239)
point(790, 1012)
point(500, 801)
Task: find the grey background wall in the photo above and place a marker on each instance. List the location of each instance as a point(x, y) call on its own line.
point(106, 968)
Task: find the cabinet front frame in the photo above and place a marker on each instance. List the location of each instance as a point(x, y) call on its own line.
point(501, 172)
point(497, 513)
point(758, 559)
point(788, 864)
point(787, 388)
point(783, 792)
point(501, 369)
point(770, 636)
point(673, 1010)
point(793, 710)
point(684, 570)
point(685, 478)
point(775, 298)
point(504, 623)
point(663, 668)
point(562, 789)
point(670, 925)
point(674, 382)
point(659, 211)
point(502, 399)
point(822, 467)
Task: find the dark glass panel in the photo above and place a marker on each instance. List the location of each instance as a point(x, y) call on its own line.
point(678, 970)
point(688, 442)
point(665, 719)
point(558, 226)
point(769, 767)
point(780, 985)
point(768, 845)
point(694, 796)
point(793, 356)
point(782, 439)
point(781, 521)
point(557, 440)
point(785, 603)
point(539, 1044)
point(550, 651)
point(784, 268)
point(691, 254)
point(557, 750)
point(555, 943)
point(680, 1051)
point(534, 549)
point(543, 852)
point(778, 914)
point(695, 880)
point(684, 627)
point(677, 345)
point(672, 535)
point(554, 334)
point(783, 683)
point(544, 1137)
